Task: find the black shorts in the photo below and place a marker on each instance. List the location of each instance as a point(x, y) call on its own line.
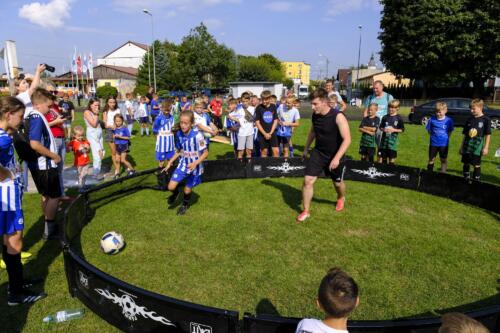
point(320, 162)
point(367, 151)
point(434, 150)
point(121, 148)
point(471, 159)
point(47, 182)
point(387, 153)
point(266, 144)
point(108, 136)
point(284, 140)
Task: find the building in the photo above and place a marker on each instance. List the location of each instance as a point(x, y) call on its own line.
point(386, 77)
point(256, 88)
point(129, 54)
point(298, 70)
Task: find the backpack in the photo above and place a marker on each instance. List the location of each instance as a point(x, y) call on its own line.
point(22, 143)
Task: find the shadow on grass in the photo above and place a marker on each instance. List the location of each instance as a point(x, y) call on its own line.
point(265, 306)
point(293, 196)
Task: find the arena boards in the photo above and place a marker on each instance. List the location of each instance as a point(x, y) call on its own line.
point(133, 309)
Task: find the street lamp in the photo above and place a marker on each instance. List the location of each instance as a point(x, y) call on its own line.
point(147, 12)
point(360, 27)
point(327, 62)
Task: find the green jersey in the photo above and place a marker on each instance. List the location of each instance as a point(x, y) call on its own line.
point(391, 140)
point(368, 140)
point(475, 130)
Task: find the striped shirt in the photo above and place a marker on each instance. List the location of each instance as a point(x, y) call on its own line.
point(7, 157)
point(162, 126)
point(233, 135)
point(191, 146)
point(39, 130)
point(10, 195)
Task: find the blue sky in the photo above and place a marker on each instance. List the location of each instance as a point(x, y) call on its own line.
point(48, 30)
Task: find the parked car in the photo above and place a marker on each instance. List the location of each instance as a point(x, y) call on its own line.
point(458, 110)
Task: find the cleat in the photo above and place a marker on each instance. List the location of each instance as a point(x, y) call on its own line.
point(24, 298)
point(182, 210)
point(303, 216)
point(172, 198)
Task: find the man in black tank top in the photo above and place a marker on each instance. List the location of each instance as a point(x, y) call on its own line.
point(330, 129)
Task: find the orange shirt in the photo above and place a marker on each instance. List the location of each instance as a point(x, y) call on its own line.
point(81, 150)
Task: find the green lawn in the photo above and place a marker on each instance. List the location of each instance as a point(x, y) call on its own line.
point(411, 253)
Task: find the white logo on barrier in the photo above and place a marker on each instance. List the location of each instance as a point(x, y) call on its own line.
point(404, 177)
point(199, 328)
point(286, 167)
point(372, 173)
point(130, 309)
point(84, 279)
point(257, 168)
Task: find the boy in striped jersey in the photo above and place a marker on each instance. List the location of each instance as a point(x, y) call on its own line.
point(233, 125)
point(192, 148)
point(11, 214)
point(162, 128)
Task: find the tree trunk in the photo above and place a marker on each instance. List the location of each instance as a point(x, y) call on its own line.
point(478, 83)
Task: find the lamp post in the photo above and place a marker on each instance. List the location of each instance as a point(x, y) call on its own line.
point(327, 63)
point(360, 27)
point(147, 12)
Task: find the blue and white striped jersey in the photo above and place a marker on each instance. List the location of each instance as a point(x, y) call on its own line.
point(10, 195)
point(191, 146)
point(230, 124)
point(39, 130)
point(7, 156)
point(162, 126)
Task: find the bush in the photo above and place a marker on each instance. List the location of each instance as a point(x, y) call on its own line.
point(106, 91)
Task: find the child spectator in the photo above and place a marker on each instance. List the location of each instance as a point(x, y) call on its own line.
point(81, 148)
point(203, 122)
point(108, 116)
point(288, 119)
point(215, 109)
point(143, 116)
point(337, 298)
point(56, 120)
point(121, 136)
point(266, 120)
point(232, 125)
point(162, 127)
point(185, 104)
point(368, 128)
point(455, 322)
point(477, 134)
point(245, 118)
point(68, 113)
point(274, 100)
point(333, 101)
point(94, 135)
point(390, 125)
point(11, 213)
point(192, 148)
point(439, 127)
point(155, 108)
point(129, 107)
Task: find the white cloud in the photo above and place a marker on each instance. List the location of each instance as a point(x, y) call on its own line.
point(47, 15)
point(213, 23)
point(338, 7)
point(285, 6)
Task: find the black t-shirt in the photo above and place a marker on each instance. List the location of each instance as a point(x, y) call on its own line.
point(66, 109)
point(326, 131)
point(475, 130)
point(266, 116)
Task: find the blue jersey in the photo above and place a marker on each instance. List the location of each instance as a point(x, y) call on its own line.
point(233, 135)
point(191, 146)
point(122, 131)
point(440, 131)
point(289, 116)
point(154, 110)
point(163, 127)
point(7, 157)
point(11, 215)
point(39, 130)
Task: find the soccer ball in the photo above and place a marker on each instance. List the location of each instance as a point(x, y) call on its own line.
point(207, 135)
point(112, 242)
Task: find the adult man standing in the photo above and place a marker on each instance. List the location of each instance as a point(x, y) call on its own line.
point(329, 89)
point(330, 129)
point(379, 97)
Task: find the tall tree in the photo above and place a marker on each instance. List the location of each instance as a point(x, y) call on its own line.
point(253, 69)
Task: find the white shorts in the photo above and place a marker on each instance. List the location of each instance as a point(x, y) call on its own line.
point(245, 142)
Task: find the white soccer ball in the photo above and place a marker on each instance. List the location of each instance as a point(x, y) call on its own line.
point(207, 135)
point(112, 242)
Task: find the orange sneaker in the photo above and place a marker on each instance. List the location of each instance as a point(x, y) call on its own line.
point(303, 216)
point(340, 205)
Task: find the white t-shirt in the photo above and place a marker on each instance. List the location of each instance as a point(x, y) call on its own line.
point(336, 93)
point(143, 110)
point(110, 116)
point(315, 326)
point(129, 107)
point(26, 99)
point(246, 127)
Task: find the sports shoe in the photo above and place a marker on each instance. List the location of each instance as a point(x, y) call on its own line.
point(340, 205)
point(172, 198)
point(182, 209)
point(303, 216)
point(131, 172)
point(25, 255)
point(24, 298)
point(28, 283)
point(116, 176)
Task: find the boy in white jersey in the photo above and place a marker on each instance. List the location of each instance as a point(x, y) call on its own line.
point(245, 118)
point(192, 148)
point(202, 121)
point(337, 297)
point(162, 128)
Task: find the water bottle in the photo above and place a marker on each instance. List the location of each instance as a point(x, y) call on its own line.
point(64, 315)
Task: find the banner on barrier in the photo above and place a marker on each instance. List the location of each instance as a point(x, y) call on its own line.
point(382, 174)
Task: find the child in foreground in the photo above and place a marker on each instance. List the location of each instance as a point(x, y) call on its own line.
point(368, 127)
point(337, 298)
point(122, 141)
point(81, 148)
point(192, 148)
point(439, 127)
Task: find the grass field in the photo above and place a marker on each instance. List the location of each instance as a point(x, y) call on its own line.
point(411, 253)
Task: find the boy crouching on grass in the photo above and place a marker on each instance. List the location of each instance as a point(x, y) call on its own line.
point(477, 134)
point(368, 128)
point(390, 125)
point(337, 298)
point(439, 127)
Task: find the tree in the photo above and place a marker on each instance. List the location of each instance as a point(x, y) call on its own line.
point(441, 41)
point(106, 91)
point(253, 69)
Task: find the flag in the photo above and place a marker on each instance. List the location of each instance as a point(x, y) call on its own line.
point(79, 64)
point(85, 64)
point(74, 68)
point(91, 66)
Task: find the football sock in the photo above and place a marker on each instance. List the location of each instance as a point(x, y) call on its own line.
point(291, 151)
point(466, 171)
point(50, 227)
point(391, 163)
point(142, 130)
point(430, 166)
point(370, 158)
point(14, 271)
point(147, 130)
point(477, 173)
point(187, 198)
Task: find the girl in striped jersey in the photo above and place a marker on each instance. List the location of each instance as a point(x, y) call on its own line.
point(162, 128)
point(192, 148)
point(11, 214)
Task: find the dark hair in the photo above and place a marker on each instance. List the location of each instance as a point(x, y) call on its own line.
point(167, 104)
point(91, 101)
point(265, 94)
point(320, 93)
point(338, 293)
point(118, 116)
point(329, 81)
point(246, 94)
point(10, 104)
point(106, 107)
point(41, 95)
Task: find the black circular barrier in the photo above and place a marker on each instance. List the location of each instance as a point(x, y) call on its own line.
point(133, 309)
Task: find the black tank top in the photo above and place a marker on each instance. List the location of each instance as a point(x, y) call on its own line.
point(328, 138)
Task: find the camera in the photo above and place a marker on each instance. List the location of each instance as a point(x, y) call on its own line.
point(50, 68)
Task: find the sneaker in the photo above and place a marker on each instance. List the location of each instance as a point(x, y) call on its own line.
point(172, 198)
point(116, 176)
point(131, 172)
point(303, 216)
point(340, 205)
point(182, 209)
point(24, 298)
point(25, 255)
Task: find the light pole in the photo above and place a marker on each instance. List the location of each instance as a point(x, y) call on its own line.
point(360, 27)
point(147, 12)
point(327, 63)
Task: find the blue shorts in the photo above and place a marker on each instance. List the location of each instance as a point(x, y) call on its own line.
point(144, 120)
point(11, 213)
point(191, 180)
point(162, 156)
point(121, 148)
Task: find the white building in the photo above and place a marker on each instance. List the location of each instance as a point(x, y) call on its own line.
point(129, 54)
point(256, 88)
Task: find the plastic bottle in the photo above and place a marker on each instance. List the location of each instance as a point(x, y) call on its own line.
point(64, 315)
